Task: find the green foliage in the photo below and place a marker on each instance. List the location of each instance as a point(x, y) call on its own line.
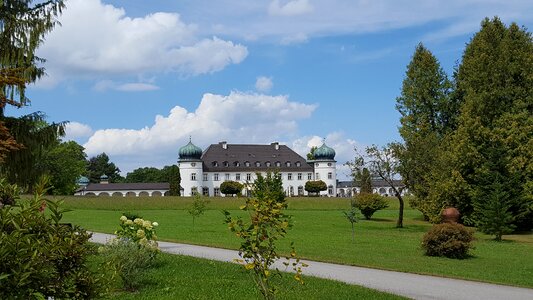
point(449, 240)
point(351, 216)
point(315, 186)
point(128, 261)
point(383, 163)
point(172, 173)
point(260, 234)
point(148, 174)
point(311, 154)
point(493, 211)
point(198, 207)
point(139, 231)
point(368, 204)
point(65, 163)
point(100, 165)
point(365, 179)
point(42, 257)
point(231, 187)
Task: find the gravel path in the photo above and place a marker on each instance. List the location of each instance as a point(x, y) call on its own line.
point(405, 284)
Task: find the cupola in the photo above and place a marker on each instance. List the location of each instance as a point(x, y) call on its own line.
point(324, 153)
point(190, 151)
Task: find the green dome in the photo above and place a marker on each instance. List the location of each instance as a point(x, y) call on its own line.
point(324, 152)
point(83, 180)
point(190, 151)
point(104, 177)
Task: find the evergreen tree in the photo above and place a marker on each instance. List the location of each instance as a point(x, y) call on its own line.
point(172, 173)
point(365, 179)
point(100, 165)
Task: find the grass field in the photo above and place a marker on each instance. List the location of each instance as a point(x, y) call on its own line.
point(322, 233)
point(181, 277)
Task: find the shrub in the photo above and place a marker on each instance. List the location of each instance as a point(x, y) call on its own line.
point(41, 257)
point(231, 187)
point(368, 204)
point(139, 231)
point(128, 260)
point(315, 187)
point(198, 207)
point(449, 240)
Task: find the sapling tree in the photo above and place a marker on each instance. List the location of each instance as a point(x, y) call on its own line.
point(351, 216)
point(198, 207)
point(259, 235)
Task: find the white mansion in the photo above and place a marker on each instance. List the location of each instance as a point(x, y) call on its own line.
point(204, 171)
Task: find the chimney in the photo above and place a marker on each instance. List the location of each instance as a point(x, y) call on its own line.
point(276, 145)
point(224, 144)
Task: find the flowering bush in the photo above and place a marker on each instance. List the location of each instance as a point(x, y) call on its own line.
point(140, 231)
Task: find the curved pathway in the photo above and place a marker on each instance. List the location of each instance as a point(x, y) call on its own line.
point(405, 284)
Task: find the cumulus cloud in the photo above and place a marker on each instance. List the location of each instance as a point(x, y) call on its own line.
point(291, 8)
point(263, 84)
point(100, 39)
point(237, 117)
point(76, 130)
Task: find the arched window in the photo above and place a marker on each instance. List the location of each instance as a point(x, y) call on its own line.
point(300, 190)
point(257, 164)
point(278, 164)
point(267, 164)
point(330, 190)
point(247, 163)
point(215, 164)
point(225, 164)
point(237, 164)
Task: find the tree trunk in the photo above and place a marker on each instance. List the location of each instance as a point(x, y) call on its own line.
point(399, 224)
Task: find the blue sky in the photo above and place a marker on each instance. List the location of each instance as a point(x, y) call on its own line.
point(136, 78)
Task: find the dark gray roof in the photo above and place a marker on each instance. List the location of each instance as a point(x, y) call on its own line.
point(377, 183)
point(127, 186)
point(233, 158)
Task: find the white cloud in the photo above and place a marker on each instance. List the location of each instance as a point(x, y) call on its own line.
point(291, 8)
point(100, 39)
point(76, 130)
point(238, 117)
point(105, 85)
point(263, 84)
point(297, 38)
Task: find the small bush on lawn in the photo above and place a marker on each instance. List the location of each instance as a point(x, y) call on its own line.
point(128, 261)
point(449, 240)
point(140, 231)
point(368, 204)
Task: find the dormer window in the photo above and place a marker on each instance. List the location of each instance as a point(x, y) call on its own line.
point(298, 164)
point(278, 164)
point(288, 164)
point(257, 164)
point(237, 164)
point(215, 164)
point(267, 164)
point(247, 163)
point(225, 164)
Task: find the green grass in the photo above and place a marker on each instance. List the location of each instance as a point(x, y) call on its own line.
point(322, 233)
point(181, 277)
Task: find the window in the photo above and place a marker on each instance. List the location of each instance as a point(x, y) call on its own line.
point(291, 191)
point(289, 176)
point(330, 175)
point(227, 177)
point(247, 163)
point(309, 176)
point(205, 191)
point(194, 191)
point(329, 164)
point(215, 177)
point(193, 164)
point(278, 164)
point(215, 164)
point(330, 190)
point(317, 176)
point(267, 164)
point(238, 177)
point(257, 164)
point(300, 190)
point(298, 164)
point(317, 164)
point(205, 177)
point(217, 192)
point(299, 176)
point(225, 164)
point(237, 164)
point(248, 177)
point(193, 176)
point(288, 164)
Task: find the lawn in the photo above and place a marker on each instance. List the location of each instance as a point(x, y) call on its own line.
point(182, 277)
point(322, 233)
